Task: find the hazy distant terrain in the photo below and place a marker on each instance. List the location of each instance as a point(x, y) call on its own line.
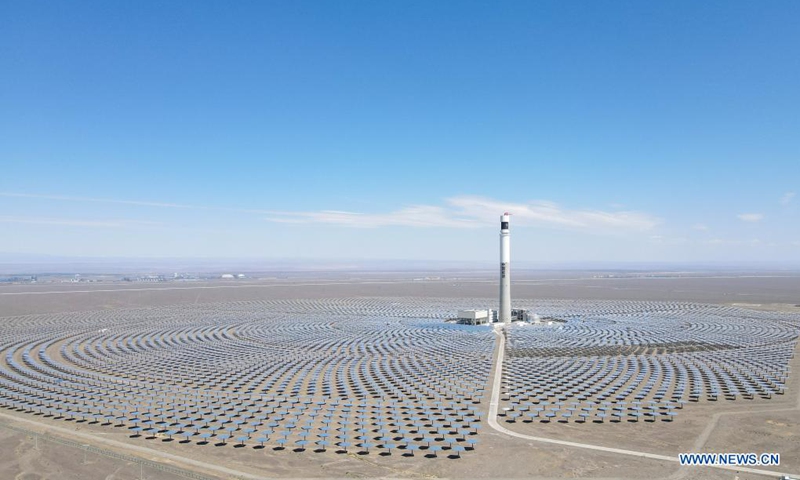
point(765, 287)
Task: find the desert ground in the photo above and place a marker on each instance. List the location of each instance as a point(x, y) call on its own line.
point(770, 290)
point(758, 425)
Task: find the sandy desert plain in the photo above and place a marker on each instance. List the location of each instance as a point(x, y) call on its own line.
point(35, 445)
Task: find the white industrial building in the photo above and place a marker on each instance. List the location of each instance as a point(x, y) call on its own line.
point(476, 317)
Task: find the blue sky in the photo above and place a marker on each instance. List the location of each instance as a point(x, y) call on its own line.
point(613, 131)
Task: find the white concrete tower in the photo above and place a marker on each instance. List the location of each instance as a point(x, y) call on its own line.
point(504, 315)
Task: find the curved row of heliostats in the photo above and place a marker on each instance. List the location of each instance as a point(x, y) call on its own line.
point(380, 373)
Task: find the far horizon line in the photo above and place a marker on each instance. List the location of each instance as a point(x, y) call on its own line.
point(7, 257)
point(11, 263)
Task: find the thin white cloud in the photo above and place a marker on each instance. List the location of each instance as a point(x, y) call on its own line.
point(67, 198)
point(552, 214)
point(459, 212)
point(414, 216)
point(719, 241)
point(662, 240)
point(470, 212)
point(787, 198)
point(700, 227)
point(750, 217)
point(76, 222)
point(140, 203)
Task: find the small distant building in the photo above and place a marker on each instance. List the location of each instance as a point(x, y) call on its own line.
point(241, 275)
point(150, 278)
point(227, 276)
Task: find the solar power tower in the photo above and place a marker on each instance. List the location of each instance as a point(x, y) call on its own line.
point(505, 270)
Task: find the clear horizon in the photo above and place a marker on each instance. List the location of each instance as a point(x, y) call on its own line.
point(26, 264)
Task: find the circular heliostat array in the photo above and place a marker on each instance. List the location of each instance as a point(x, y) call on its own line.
point(631, 361)
point(378, 374)
point(338, 374)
